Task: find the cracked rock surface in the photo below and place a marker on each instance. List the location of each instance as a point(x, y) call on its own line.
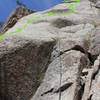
point(53, 57)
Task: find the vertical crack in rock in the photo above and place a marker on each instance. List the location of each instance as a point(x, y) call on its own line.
point(90, 98)
point(81, 90)
point(90, 77)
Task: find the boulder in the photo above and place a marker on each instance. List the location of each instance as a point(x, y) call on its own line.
point(72, 63)
point(24, 58)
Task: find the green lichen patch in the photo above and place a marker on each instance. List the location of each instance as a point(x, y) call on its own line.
point(37, 17)
point(2, 37)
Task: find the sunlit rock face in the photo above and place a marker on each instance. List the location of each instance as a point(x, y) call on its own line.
point(52, 54)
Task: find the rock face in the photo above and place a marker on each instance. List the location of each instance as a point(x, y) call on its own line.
point(72, 64)
point(23, 62)
point(52, 56)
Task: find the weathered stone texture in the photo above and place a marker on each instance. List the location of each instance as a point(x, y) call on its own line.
point(41, 51)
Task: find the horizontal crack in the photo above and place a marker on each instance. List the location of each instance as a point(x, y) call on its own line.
point(63, 88)
point(81, 49)
point(47, 91)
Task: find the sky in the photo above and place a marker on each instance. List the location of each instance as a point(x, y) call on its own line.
point(7, 6)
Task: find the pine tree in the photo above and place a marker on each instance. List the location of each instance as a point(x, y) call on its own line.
point(1, 24)
point(19, 3)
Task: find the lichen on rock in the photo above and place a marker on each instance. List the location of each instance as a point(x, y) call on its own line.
point(50, 57)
